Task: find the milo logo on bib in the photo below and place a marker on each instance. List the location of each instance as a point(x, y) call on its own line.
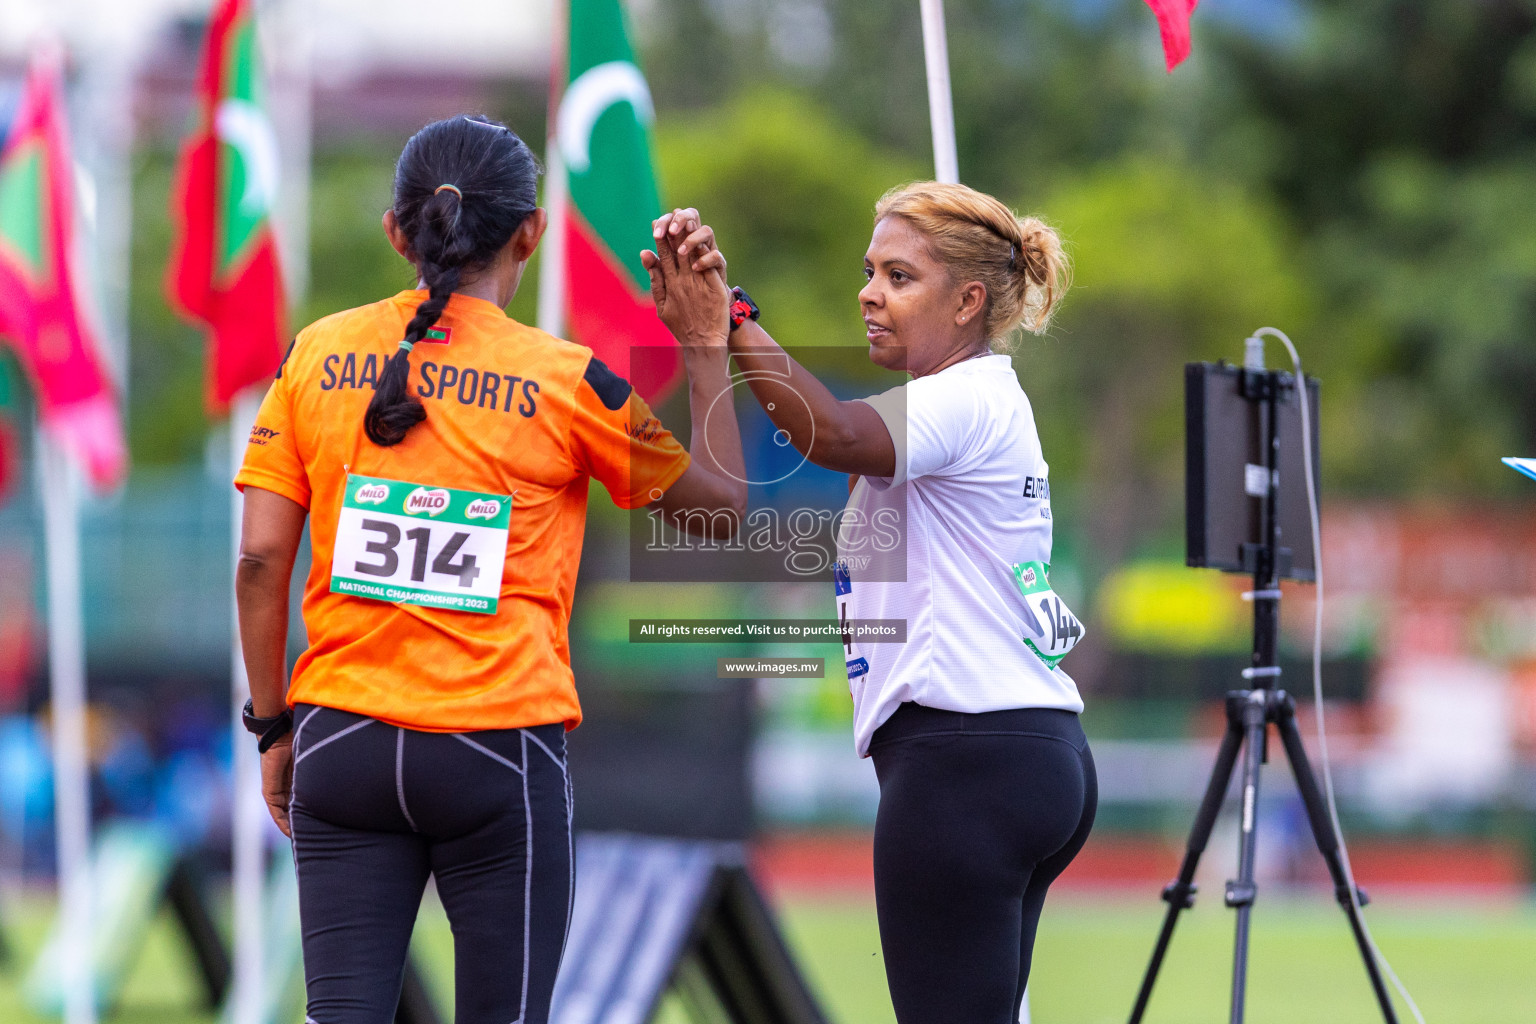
point(488, 508)
point(426, 502)
point(371, 494)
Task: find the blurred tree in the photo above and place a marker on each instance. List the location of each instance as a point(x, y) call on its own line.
point(1390, 140)
point(166, 421)
point(1037, 86)
point(1358, 172)
point(1403, 142)
point(792, 201)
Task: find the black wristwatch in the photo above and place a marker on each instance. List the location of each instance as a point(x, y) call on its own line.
point(269, 729)
point(742, 308)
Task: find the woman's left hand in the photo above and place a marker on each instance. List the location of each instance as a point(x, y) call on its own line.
point(691, 299)
point(277, 781)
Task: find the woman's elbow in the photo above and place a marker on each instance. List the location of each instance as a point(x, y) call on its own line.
point(728, 500)
point(736, 503)
point(730, 506)
point(256, 568)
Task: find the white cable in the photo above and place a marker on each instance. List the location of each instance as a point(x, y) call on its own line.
point(1317, 667)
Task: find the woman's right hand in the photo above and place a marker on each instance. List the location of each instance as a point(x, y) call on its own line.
point(691, 297)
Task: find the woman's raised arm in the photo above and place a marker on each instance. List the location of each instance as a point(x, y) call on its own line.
point(845, 437)
point(695, 308)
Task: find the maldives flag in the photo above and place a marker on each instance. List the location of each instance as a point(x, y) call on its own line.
point(602, 119)
point(224, 271)
point(1173, 26)
point(42, 313)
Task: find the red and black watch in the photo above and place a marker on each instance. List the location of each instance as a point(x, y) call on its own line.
point(742, 308)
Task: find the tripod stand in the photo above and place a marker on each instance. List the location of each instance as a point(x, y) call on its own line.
point(1249, 715)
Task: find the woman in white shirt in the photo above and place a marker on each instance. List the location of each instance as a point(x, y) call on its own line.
point(987, 785)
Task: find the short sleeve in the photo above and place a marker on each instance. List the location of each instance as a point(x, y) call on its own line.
point(271, 453)
point(617, 439)
point(932, 421)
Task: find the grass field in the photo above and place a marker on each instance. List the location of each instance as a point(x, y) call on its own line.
point(1472, 963)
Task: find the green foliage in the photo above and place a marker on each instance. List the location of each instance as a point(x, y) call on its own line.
point(1403, 135)
point(1446, 267)
point(350, 260)
point(1171, 244)
point(1358, 178)
point(791, 198)
point(166, 421)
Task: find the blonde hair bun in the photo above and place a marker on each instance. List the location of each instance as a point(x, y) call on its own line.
point(1020, 261)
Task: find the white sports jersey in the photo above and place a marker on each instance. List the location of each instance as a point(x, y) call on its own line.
point(972, 497)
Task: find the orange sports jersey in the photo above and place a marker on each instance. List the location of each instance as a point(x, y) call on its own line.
point(510, 411)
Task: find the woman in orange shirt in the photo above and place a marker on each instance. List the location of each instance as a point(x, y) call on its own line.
point(444, 477)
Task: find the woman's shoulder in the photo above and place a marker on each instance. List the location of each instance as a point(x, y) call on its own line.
point(557, 356)
point(555, 345)
point(355, 329)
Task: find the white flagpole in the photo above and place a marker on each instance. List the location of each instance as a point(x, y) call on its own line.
point(66, 664)
point(552, 260)
point(941, 108)
point(552, 283)
point(250, 810)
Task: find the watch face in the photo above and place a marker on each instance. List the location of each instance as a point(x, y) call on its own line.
point(743, 308)
point(252, 723)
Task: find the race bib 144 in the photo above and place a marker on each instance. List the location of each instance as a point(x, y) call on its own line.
point(1056, 630)
point(418, 544)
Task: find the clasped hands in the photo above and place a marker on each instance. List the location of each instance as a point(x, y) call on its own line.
point(688, 280)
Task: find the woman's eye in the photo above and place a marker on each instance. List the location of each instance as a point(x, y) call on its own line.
point(869, 273)
point(897, 276)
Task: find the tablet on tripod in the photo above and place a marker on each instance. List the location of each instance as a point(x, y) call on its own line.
point(1248, 511)
point(1227, 410)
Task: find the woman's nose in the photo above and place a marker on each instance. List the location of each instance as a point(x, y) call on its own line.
point(869, 295)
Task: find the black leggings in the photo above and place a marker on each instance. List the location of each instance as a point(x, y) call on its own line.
point(376, 809)
point(978, 815)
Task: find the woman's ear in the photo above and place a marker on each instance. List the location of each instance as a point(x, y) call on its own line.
point(396, 236)
point(973, 299)
point(526, 238)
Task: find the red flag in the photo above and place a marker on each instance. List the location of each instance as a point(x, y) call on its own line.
point(1173, 25)
point(225, 271)
point(41, 311)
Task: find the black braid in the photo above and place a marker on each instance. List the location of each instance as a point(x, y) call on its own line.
point(452, 232)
